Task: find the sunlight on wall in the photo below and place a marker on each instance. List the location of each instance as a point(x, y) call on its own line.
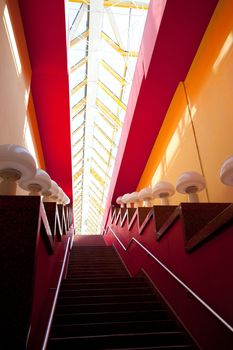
point(28, 141)
point(12, 41)
point(223, 52)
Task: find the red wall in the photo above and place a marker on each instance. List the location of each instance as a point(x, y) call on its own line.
point(47, 271)
point(207, 271)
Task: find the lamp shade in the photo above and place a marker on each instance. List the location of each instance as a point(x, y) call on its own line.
point(67, 200)
point(15, 157)
point(42, 179)
point(145, 194)
point(133, 197)
point(163, 189)
point(119, 200)
point(189, 182)
point(226, 172)
point(125, 198)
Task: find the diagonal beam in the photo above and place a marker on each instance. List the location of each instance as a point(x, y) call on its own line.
point(79, 86)
point(97, 177)
point(105, 135)
point(117, 47)
point(111, 94)
point(78, 106)
point(103, 147)
point(78, 65)
point(77, 20)
point(108, 113)
point(113, 72)
point(100, 157)
point(79, 38)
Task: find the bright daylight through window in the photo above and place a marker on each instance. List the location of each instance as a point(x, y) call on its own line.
point(105, 37)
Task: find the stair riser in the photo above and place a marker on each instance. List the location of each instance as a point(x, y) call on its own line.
point(67, 309)
point(110, 317)
point(105, 280)
point(112, 328)
point(96, 286)
point(93, 292)
point(105, 299)
point(111, 342)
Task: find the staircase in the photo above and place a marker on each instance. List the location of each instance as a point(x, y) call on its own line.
point(101, 307)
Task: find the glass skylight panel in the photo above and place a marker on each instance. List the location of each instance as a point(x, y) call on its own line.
point(101, 71)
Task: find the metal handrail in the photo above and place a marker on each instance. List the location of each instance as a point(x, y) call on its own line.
point(55, 297)
point(174, 276)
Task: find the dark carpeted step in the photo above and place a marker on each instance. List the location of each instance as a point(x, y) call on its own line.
point(92, 299)
point(108, 307)
point(104, 291)
point(123, 327)
point(110, 270)
point(118, 340)
point(150, 314)
point(166, 347)
point(80, 286)
point(96, 275)
point(106, 279)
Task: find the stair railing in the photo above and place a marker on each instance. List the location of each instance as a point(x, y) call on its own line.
point(173, 275)
point(56, 296)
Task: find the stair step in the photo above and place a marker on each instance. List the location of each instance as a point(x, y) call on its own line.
point(90, 299)
point(115, 341)
point(104, 291)
point(72, 330)
point(96, 275)
point(107, 307)
point(166, 347)
point(101, 285)
point(151, 314)
point(97, 270)
point(106, 280)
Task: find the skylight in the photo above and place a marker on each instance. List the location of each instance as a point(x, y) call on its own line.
point(105, 37)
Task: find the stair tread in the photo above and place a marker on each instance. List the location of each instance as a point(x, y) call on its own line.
point(120, 334)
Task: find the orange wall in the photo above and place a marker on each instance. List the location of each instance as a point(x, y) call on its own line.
point(17, 114)
point(197, 130)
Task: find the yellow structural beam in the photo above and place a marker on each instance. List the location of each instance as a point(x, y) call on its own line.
point(111, 94)
point(96, 187)
point(113, 72)
point(105, 135)
point(77, 65)
point(117, 47)
point(100, 157)
point(103, 147)
point(104, 109)
point(97, 177)
point(78, 128)
point(74, 116)
point(92, 199)
point(125, 4)
point(96, 194)
point(99, 167)
point(79, 38)
point(79, 86)
point(78, 106)
point(78, 173)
